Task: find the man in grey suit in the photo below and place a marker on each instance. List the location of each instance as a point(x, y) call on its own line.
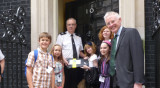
point(127, 56)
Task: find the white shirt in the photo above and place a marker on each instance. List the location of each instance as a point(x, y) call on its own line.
point(91, 59)
point(118, 33)
point(1, 55)
point(108, 40)
point(65, 41)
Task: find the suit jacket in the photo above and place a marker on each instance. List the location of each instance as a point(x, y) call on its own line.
point(129, 58)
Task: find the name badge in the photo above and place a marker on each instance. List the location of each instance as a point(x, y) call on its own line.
point(101, 79)
point(59, 78)
point(49, 69)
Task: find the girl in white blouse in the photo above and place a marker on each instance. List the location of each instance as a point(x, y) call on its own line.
point(90, 50)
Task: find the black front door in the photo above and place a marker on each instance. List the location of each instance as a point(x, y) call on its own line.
point(156, 37)
point(89, 15)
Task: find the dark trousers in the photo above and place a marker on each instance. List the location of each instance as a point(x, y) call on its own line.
point(72, 77)
point(114, 82)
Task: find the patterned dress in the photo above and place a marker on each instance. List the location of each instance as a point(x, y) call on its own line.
point(58, 74)
point(105, 73)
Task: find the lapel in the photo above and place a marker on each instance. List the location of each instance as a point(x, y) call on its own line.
point(120, 38)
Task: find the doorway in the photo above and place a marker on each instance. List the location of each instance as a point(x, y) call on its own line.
point(89, 15)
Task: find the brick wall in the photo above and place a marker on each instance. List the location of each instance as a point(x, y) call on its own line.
point(150, 61)
point(16, 78)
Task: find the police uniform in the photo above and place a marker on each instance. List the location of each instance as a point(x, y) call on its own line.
point(64, 39)
point(72, 76)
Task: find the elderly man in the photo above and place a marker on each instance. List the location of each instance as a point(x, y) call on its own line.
point(127, 56)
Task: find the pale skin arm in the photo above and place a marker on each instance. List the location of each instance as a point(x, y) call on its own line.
point(95, 64)
point(29, 76)
point(85, 67)
point(63, 78)
point(65, 61)
point(2, 63)
point(82, 54)
point(85, 58)
point(137, 85)
point(53, 79)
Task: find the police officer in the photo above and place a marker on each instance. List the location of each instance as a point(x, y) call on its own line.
point(68, 40)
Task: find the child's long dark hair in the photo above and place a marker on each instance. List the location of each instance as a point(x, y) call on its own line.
point(103, 57)
point(108, 57)
point(60, 58)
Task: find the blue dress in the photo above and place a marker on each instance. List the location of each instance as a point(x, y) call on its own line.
point(105, 73)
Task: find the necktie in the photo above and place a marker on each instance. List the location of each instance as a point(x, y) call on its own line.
point(73, 47)
point(112, 60)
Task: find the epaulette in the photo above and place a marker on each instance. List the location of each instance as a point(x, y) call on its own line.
point(78, 34)
point(62, 33)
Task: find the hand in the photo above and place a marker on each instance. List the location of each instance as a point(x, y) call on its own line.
point(85, 67)
point(86, 58)
point(30, 87)
point(137, 85)
point(55, 86)
point(65, 62)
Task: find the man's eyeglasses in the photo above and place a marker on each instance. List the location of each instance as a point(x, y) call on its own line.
point(71, 24)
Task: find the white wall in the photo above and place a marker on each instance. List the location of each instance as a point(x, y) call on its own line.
point(44, 18)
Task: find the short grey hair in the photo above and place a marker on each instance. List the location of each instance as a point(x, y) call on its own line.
point(111, 13)
point(71, 19)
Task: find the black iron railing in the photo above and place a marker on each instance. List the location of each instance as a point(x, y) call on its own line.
point(156, 16)
point(12, 44)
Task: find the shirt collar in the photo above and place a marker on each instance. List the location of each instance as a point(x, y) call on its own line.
point(70, 33)
point(119, 31)
point(39, 50)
